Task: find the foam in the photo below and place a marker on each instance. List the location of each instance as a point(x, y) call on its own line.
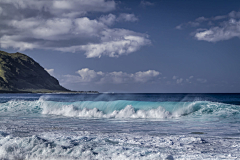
point(83, 145)
point(127, 112)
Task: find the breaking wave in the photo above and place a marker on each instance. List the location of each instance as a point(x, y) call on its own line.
point(119, 109)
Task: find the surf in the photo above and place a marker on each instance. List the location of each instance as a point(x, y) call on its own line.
point(119, 109)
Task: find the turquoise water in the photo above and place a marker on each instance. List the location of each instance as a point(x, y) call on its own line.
point(120, 126)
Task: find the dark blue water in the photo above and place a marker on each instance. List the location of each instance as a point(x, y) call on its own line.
point(230, 98)
point(120, 126)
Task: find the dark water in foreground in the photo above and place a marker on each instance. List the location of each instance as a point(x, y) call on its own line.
point(120, 126)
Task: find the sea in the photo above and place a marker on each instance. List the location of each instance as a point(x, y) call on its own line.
point(111, 126)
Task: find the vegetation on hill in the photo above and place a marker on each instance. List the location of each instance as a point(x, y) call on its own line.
point(20, 73)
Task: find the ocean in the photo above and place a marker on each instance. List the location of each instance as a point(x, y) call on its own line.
point(119, 126)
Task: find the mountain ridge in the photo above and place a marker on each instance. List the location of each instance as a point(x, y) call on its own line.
point(20, 73)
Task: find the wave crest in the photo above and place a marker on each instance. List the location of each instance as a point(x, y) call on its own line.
point(127, 112)
point(120, 109)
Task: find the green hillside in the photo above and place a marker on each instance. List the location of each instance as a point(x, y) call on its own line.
point(20, 73)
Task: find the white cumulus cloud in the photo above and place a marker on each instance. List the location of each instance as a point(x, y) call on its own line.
point(64, 26)
point(125, 45)
point(86, 75)
point(114, 44)
point(145, 76)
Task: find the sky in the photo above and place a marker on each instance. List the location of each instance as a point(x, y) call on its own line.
point(137, 46)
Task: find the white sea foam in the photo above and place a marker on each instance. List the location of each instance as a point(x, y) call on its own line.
point(84, 145)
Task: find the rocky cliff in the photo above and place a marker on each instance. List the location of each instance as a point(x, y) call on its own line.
point(20, 73)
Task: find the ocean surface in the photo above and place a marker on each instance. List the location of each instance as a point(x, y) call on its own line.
point(119, 126)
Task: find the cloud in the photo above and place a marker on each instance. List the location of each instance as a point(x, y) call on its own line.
point(85, 26)
point(228, 30)
point(189, 79)
point(86, 75)
point(179, 27)
point(224, 27)
point(123, 42)
point(234, 14)
point(50, 71)
point(146, 3)
point(145, 76)
point(180, 80)
point(193, 24)
point(201, 19)
point(127, 17)
point(1, 10)
point(109, 19)
point(201, 80)
point(219, 17)
point(174, 77)
point(64, 26)
point(51, 29)
point(190, 23)
point(62, 7)
point(125, 45)
point(16, 43)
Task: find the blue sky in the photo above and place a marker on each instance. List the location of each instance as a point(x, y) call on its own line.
point(165, 46)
